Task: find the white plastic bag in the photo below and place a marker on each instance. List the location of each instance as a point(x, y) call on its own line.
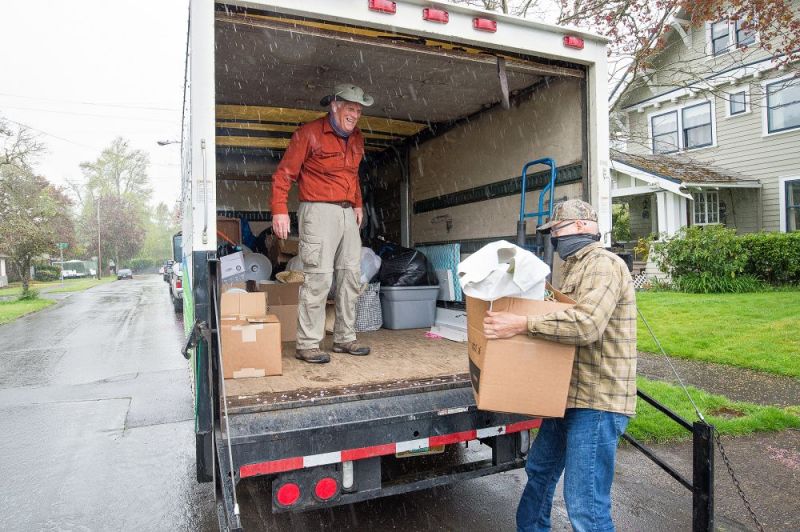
point(370, 264)
point(502, 269)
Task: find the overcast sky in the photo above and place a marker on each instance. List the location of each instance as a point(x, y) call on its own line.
point(82, 72)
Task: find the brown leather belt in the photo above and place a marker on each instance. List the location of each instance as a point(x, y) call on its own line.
point(342, 204)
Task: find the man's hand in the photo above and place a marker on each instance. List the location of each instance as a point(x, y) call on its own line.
point(504, 324)
point(280, 225)
point(359, 215)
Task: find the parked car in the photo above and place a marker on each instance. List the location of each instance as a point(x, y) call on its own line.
point(176, 287)
point(167, 271)
point(124, 273)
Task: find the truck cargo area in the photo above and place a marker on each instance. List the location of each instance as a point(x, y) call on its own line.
point(439, 143)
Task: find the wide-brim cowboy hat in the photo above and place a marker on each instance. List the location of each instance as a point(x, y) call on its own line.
point(349, 93)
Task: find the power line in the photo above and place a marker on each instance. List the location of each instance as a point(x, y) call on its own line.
point(98, 104)
point(43, 132)
point(90, 114)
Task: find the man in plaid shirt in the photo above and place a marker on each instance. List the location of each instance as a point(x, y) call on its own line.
point(602, 394)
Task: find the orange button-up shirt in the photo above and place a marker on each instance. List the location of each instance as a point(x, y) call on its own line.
point(324, 165)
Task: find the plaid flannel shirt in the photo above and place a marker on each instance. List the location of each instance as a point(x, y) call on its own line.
point(603, 327)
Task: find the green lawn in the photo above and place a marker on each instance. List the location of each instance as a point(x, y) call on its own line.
point(756, 330)
point(11, 310)
point(729, 417)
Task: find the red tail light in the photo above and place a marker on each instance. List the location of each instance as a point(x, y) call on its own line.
point(484, 24)
point(571, 41)
point(326, 488)
point(383, 6)
point(288, 494)
point(178, 283)
point(436, 15)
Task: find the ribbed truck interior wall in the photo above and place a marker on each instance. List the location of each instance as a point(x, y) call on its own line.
point(492, 147)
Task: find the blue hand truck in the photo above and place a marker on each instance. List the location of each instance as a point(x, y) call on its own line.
point(542, 246)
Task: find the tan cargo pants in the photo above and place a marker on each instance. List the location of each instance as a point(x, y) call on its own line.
point(329, 244)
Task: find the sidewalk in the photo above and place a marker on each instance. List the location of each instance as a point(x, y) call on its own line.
point(766, 464)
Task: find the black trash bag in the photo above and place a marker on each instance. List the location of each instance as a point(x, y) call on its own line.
point(405, 267)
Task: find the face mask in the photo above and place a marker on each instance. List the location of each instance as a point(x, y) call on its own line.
point(570, 244)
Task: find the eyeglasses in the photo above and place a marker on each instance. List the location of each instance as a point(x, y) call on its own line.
point(564, 226)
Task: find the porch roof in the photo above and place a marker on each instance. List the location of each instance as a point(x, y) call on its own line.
point(682, 171)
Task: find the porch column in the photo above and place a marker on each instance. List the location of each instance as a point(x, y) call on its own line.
point(2, 267)
point(669, 212)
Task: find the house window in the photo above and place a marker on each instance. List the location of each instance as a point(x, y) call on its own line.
point(793, 205)
point(744, 36)
point(720, 36)
point(738, 103)
point(665, 132)
point(697, 125)
point(783, 105)
point(706, 207)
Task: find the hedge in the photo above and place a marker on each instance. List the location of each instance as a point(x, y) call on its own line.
point(773, 257)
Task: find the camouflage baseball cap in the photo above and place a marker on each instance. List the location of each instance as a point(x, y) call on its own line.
point(573, 209)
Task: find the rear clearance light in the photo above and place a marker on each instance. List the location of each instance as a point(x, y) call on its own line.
point(571, 41)
point(347, 455)
point(288, 494)
point(484, 24)
point(178, 283)
point(326, 488)
point(436, 15)
point(383, 6)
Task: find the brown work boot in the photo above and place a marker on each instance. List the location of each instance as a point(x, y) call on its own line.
point(351, 347)
point(314, 356)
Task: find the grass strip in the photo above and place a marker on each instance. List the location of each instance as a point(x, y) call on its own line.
point(11, 310)
point(731, 418)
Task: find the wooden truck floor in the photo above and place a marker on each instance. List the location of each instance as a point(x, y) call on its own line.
point(399, 361)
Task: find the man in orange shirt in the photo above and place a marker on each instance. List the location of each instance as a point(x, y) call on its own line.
point(323, 157)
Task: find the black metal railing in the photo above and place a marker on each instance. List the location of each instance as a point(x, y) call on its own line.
point(702, 483)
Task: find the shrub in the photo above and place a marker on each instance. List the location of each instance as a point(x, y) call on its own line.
point(713, 251)
point(705, 283)
point(773, 257)
point(46, 273)
point(30, 295)
point(141, 264)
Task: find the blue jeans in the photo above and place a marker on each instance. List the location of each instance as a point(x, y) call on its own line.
point(582, 445)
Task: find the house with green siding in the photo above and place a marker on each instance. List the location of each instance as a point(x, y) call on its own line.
point(712, 135)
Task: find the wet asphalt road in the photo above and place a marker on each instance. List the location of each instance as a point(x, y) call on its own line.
point(97, 434)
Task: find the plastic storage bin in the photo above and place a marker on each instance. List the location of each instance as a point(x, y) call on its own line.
point(408, 307)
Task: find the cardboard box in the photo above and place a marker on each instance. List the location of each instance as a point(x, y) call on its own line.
point(279, 251)
point(519, 375)
point(251, 346)
point(232, 267)
point(282, 301)
point(242, 305)
point(230, 228)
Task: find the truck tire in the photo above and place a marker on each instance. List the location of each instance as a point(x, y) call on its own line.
point(177, 304)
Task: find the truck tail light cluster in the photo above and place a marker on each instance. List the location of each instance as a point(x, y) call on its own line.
point(288, 494)
point(326, 488)
point(178, 283)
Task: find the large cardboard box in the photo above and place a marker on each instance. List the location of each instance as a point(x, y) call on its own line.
point(251, 347)
point(280, 250)
point(519, 375)
point(282, 301)
point(251, 339)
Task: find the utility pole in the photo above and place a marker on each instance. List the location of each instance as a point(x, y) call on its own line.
point(99, 255)
point(61, 249)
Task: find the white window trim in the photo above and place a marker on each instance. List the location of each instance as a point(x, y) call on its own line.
point(678, 109)
point(693, 200)
point(765, 112)
point(782, 200)
point(747, 101)
point(732, 45)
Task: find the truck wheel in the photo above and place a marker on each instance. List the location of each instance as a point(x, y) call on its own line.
point(177, 304)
